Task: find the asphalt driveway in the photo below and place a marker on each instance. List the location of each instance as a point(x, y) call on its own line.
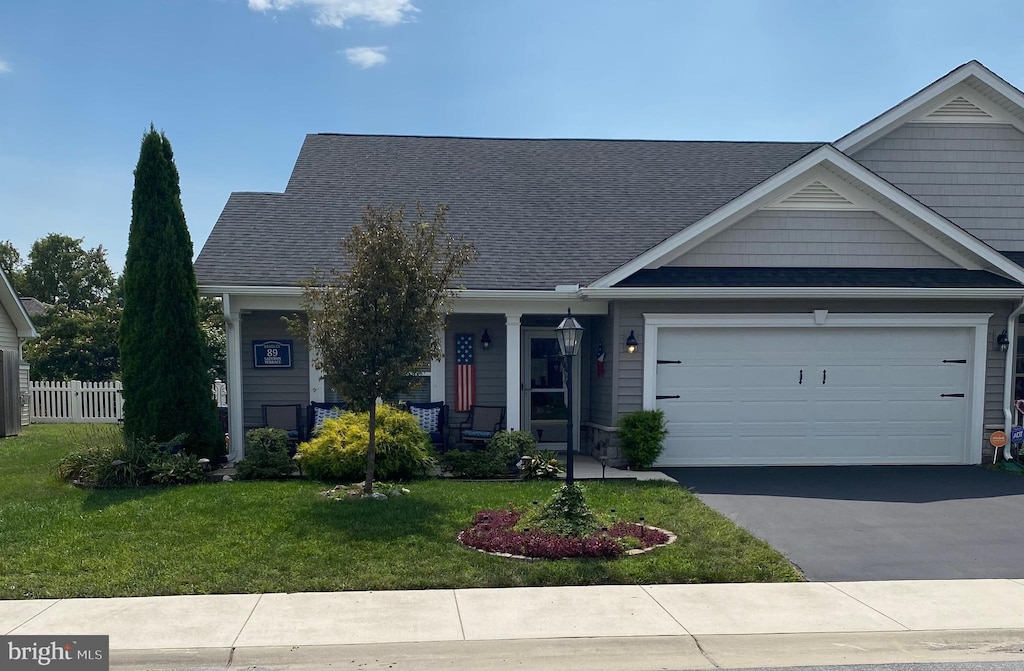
point(876, 522)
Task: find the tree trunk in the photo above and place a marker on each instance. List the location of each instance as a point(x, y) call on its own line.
point(371, 450)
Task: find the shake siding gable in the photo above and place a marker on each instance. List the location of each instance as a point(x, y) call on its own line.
point(813, 239)
point(972, 174)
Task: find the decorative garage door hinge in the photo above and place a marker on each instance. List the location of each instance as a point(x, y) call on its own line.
point(661, 397)
point(954, 361)
point(951, 395)
point(667, 361)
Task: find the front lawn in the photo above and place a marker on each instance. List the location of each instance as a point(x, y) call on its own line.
point(60, 541)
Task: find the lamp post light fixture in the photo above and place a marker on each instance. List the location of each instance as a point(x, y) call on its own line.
point(569, 333)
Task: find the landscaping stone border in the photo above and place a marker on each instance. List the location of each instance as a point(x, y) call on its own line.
point(628, 553)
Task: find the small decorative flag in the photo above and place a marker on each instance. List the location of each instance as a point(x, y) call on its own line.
point(600, 359)
point(465, 373)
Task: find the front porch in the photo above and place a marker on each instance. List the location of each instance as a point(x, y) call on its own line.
point(511, 351)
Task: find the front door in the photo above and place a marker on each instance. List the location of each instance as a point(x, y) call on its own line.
point(544, 412)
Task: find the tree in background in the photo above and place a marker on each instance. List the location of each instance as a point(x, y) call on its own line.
point(76, 344)
point(164, 374)
point(375, 325)
point(61, 271)
point(11, 265)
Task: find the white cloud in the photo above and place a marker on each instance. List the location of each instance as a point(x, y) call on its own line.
point(336, 13)
point(366, 57)
point(4, 67)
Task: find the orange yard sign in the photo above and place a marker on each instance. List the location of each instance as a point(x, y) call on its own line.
point(997, 439)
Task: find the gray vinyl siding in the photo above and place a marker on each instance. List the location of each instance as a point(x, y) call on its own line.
point(490, 363)
point(8, 332)
point(600, 387)
point(271, 386)
point(972, 174)
point(26, 408)
point(630, 388)
point(813, 239)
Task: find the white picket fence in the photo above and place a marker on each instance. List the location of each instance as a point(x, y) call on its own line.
point(77, 402)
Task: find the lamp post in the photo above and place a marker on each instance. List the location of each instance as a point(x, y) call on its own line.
point(570, 333)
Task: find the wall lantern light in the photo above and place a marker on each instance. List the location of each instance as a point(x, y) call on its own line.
point(485, 340)
point(1003, 340)
point(631, 343)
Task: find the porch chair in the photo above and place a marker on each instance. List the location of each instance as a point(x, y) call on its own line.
point(317, 412)
point(285, 417)
point(483, 422)
point(433, 418)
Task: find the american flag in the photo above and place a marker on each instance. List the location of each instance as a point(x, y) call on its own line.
point(465, 372)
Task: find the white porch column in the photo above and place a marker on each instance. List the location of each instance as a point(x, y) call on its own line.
point(513, 371)
point(437, 373)
point(233, 365)
point(316, 379)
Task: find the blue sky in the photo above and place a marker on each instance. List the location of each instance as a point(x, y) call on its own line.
point(236, 84)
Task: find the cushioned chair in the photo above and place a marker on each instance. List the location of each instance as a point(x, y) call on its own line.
point(433, 418)
point(285, 417)
point(483, 422)
point(317, 412)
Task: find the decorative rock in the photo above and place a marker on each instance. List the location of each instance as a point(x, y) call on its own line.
point(117, 462)
point(405, 491)
point(395, 492)
point(378, 496)
point(227, 478)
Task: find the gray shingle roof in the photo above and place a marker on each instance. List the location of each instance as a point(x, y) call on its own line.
point(539, 212)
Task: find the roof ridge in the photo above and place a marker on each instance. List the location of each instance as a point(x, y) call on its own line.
point(559, 139)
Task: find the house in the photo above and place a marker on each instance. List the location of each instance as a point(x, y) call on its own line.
point(852, 302)
point(15, 328)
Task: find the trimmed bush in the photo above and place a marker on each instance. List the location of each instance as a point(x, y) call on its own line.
point(496, 460)
point(642, 437)
point(338, 452)
point(513, 444)
point(266, 455)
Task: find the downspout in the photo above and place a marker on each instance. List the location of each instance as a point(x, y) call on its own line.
point(1009, 378)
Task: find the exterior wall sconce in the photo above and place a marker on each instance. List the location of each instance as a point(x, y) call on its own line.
point(485, 340)
point(1003, 340)
point(631, 343)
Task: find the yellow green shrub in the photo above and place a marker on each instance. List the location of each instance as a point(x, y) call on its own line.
point(338, 452)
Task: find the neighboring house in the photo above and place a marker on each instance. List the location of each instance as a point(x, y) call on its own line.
point(15, 328)
point(791, 303)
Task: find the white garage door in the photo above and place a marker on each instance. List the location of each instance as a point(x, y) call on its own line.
point(814, 395)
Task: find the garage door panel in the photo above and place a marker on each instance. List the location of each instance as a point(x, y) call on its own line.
point(742, 400)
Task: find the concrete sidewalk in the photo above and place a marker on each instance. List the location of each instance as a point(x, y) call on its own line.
point(618, 626)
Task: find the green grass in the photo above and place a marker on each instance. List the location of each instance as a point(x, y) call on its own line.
point(60, 541)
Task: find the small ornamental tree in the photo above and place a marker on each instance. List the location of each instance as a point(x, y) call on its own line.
point(164, 368)
point(374, 324)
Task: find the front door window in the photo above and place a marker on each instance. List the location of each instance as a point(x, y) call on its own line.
point(546, 392)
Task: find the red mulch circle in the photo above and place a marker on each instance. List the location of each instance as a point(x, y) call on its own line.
point(494, 532)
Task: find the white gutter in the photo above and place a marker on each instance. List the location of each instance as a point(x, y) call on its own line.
point(796, 292)
point(1009, 378)
point(219, 290)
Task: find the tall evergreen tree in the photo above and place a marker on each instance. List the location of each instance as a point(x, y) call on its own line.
point(163, 367)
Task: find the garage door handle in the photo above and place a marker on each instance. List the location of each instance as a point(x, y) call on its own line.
point(661, 397)
point(951, 395)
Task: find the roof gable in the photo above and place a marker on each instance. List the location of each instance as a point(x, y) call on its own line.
point(15, 310)
point(856, 184)
point(970, 94)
